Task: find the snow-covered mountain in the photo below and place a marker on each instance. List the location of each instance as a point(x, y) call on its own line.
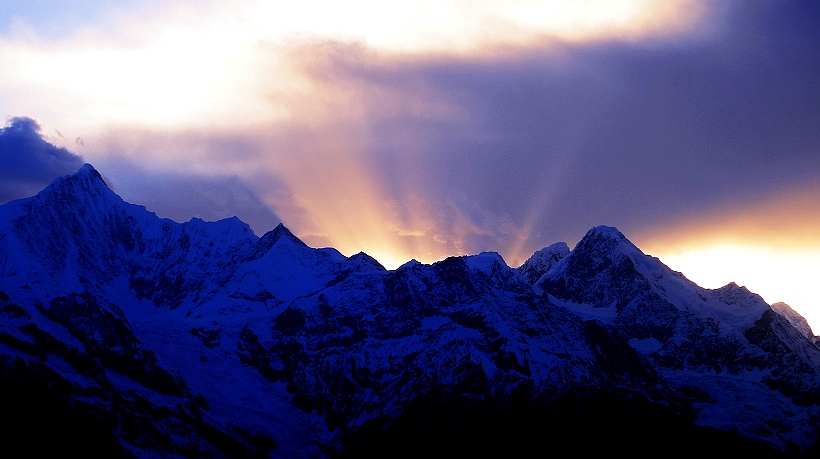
point(139, 335)
point(798, 322)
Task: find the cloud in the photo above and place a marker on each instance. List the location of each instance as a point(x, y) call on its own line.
point(785, 220)
point(409, 139)
point(181, 196)
point(628, 134)
point(184, 64)
point(542, 142)
point(28, 162)
point(364, 146)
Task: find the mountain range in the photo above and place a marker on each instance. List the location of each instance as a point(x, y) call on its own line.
point(127, 335)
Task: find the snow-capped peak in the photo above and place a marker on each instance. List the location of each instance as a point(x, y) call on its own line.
point(553, 252)
point(798, 322)
point(485, 262)
point(272, 236)
point(409, 264)
point(732, 293)
point(363, 262)
point(608, 238)
point(542, 261)
point(88, 171)
point(606, 230)
point(86, 181)
point(307, 347)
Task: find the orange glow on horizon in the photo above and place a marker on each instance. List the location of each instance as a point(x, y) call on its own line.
point(787, 276)
point(772, 247)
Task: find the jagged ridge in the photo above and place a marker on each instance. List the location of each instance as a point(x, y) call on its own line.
point(267, 345)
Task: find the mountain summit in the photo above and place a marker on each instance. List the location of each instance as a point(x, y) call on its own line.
point(146, 337)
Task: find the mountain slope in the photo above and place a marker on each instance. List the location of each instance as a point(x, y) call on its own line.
point(798, 322)
point(202, 339)
point(726, 342)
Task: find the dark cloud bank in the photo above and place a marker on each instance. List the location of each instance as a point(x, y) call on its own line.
point(28, 162)
point(626, 134)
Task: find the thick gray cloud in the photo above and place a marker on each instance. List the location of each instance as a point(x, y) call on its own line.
point(514, 151)
point(626, 134)
point(28, 162)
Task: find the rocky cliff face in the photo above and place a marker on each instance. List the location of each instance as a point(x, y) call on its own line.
point(727, 343)
point(202, 339)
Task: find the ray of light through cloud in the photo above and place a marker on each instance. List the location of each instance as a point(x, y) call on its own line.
point(442, 128)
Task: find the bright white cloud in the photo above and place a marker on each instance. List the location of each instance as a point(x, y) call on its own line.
point(461, 25)
point(196, 66)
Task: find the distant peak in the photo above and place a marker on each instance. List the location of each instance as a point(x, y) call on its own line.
point(543, 260)
point(84, 183)
point(88, 173)
point(273, 236)
point(553, 252)
point(607, 239)
point(602, 239)
point(488, 256)
point(732, 287)
point(281, 231)
point(485, 261)
point(607, 231)
point(795, 319)
point(732, 293)
point(226, 225)
point(409, 264)
point(364, 262)
point(88, 177)
point(87, 168)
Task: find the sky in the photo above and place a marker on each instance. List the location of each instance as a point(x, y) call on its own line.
point(437, 128)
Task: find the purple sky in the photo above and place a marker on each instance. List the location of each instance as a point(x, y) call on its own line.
point(693, 129)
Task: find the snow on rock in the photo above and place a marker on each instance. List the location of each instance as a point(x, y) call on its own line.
point(685, 329)
point(798, 322)
point(284, 350)
point(485, 262)
point(647, 346)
